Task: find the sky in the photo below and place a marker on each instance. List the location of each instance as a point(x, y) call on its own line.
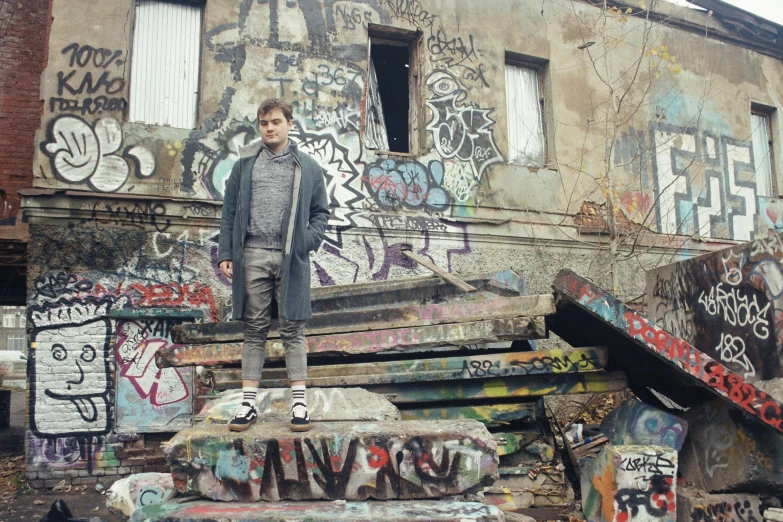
point(769, 9)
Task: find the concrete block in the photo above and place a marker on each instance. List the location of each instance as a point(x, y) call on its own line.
point(729, 451)
point(324, 404)
point(636, 423)
point(695, 505)
point(334, 460)
point(145, 489)
point(631, 484)
point(396, 511)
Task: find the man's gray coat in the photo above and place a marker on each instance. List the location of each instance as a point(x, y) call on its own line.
point(303, 225)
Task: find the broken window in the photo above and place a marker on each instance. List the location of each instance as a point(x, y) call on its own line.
point(165, 63)
point(762, 153)
point(388, 107)
point(526, 145)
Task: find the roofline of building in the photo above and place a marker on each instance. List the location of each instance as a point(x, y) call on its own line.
point(721, 21)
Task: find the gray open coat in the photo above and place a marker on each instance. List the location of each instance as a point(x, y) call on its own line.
point(303, 225)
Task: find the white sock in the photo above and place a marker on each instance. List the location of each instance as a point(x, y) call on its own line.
point(299, 394)
point(249, 394)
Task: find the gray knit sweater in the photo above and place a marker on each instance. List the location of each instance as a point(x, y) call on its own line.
point(270, 197)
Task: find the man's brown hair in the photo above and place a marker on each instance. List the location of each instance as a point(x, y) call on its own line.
point(276, 103)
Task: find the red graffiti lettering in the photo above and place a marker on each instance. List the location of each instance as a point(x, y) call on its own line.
point(176, 294)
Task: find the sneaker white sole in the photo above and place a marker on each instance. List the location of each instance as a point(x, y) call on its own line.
point(301, 427)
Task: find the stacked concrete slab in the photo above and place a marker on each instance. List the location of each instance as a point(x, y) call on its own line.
point(438, 353)
point(334, 461)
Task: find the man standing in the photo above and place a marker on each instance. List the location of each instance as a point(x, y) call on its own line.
point(275, 212)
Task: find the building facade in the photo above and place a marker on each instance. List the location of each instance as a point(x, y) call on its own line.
point(486, 135)
point(12, 328)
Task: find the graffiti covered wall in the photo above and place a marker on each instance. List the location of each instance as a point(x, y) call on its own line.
point(137, 226)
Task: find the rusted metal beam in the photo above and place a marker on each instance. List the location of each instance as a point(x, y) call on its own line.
point(384, 318)
point(529, 386)
point(401, 339)
point(440, 369)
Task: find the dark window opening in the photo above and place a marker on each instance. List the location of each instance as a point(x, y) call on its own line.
point(392, 69)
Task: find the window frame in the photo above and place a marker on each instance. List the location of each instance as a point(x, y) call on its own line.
point(16, 337)
point(413, 40)
point(767, 113)
point(541, 66)
point(9, 318)
point(200, 65)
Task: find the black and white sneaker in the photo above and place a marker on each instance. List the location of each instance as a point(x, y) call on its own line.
point(300, 418)
point(245, 416)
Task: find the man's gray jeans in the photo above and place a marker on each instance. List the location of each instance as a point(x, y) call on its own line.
point(262, 278)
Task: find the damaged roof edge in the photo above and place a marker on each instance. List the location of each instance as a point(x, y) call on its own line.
point(726, 23)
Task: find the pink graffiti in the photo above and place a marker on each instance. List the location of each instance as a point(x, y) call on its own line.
point(136, 350)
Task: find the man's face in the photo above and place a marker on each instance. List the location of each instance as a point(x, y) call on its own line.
point(274, 129)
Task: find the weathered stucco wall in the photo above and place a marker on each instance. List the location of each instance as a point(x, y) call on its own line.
point(146, 234)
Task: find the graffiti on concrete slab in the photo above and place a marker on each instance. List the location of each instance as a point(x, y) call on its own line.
point(728, 303)
point(654, 500)
point(342, 467)
point(737, 511)
point(149, 396)
point(80, 153)
point(683, 355)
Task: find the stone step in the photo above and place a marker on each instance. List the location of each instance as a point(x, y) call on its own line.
point(394, 511)
point(413, 339)
point(396, 295)
point(481, 366)
point(384, 318)
point(334, 461)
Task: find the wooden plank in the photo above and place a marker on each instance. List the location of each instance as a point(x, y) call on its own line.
point(529, 386)
point(382, 318)
point(398, 340)
point(454, 280)
point(471, 366)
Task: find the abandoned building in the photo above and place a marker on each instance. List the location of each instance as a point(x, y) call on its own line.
point(501, 141)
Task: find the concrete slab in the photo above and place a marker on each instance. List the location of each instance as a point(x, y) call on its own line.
point(725, 302)
point(528, 386)
point(634, 422)
point(334, 460)
point(436, 369)
point(653, 358)
point(487, 414)
point(631, 484)
point(362, 320)
point(398, 340)
point(396, 511)
point(727, 450)
point(139, 490)
point(330, 404)
point(695, 505)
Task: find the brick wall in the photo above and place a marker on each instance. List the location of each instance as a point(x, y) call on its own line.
point(23, 40)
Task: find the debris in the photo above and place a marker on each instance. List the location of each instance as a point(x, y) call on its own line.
point(125, 495)
point(38, 502)
point(100, 489)
point(634, 422)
